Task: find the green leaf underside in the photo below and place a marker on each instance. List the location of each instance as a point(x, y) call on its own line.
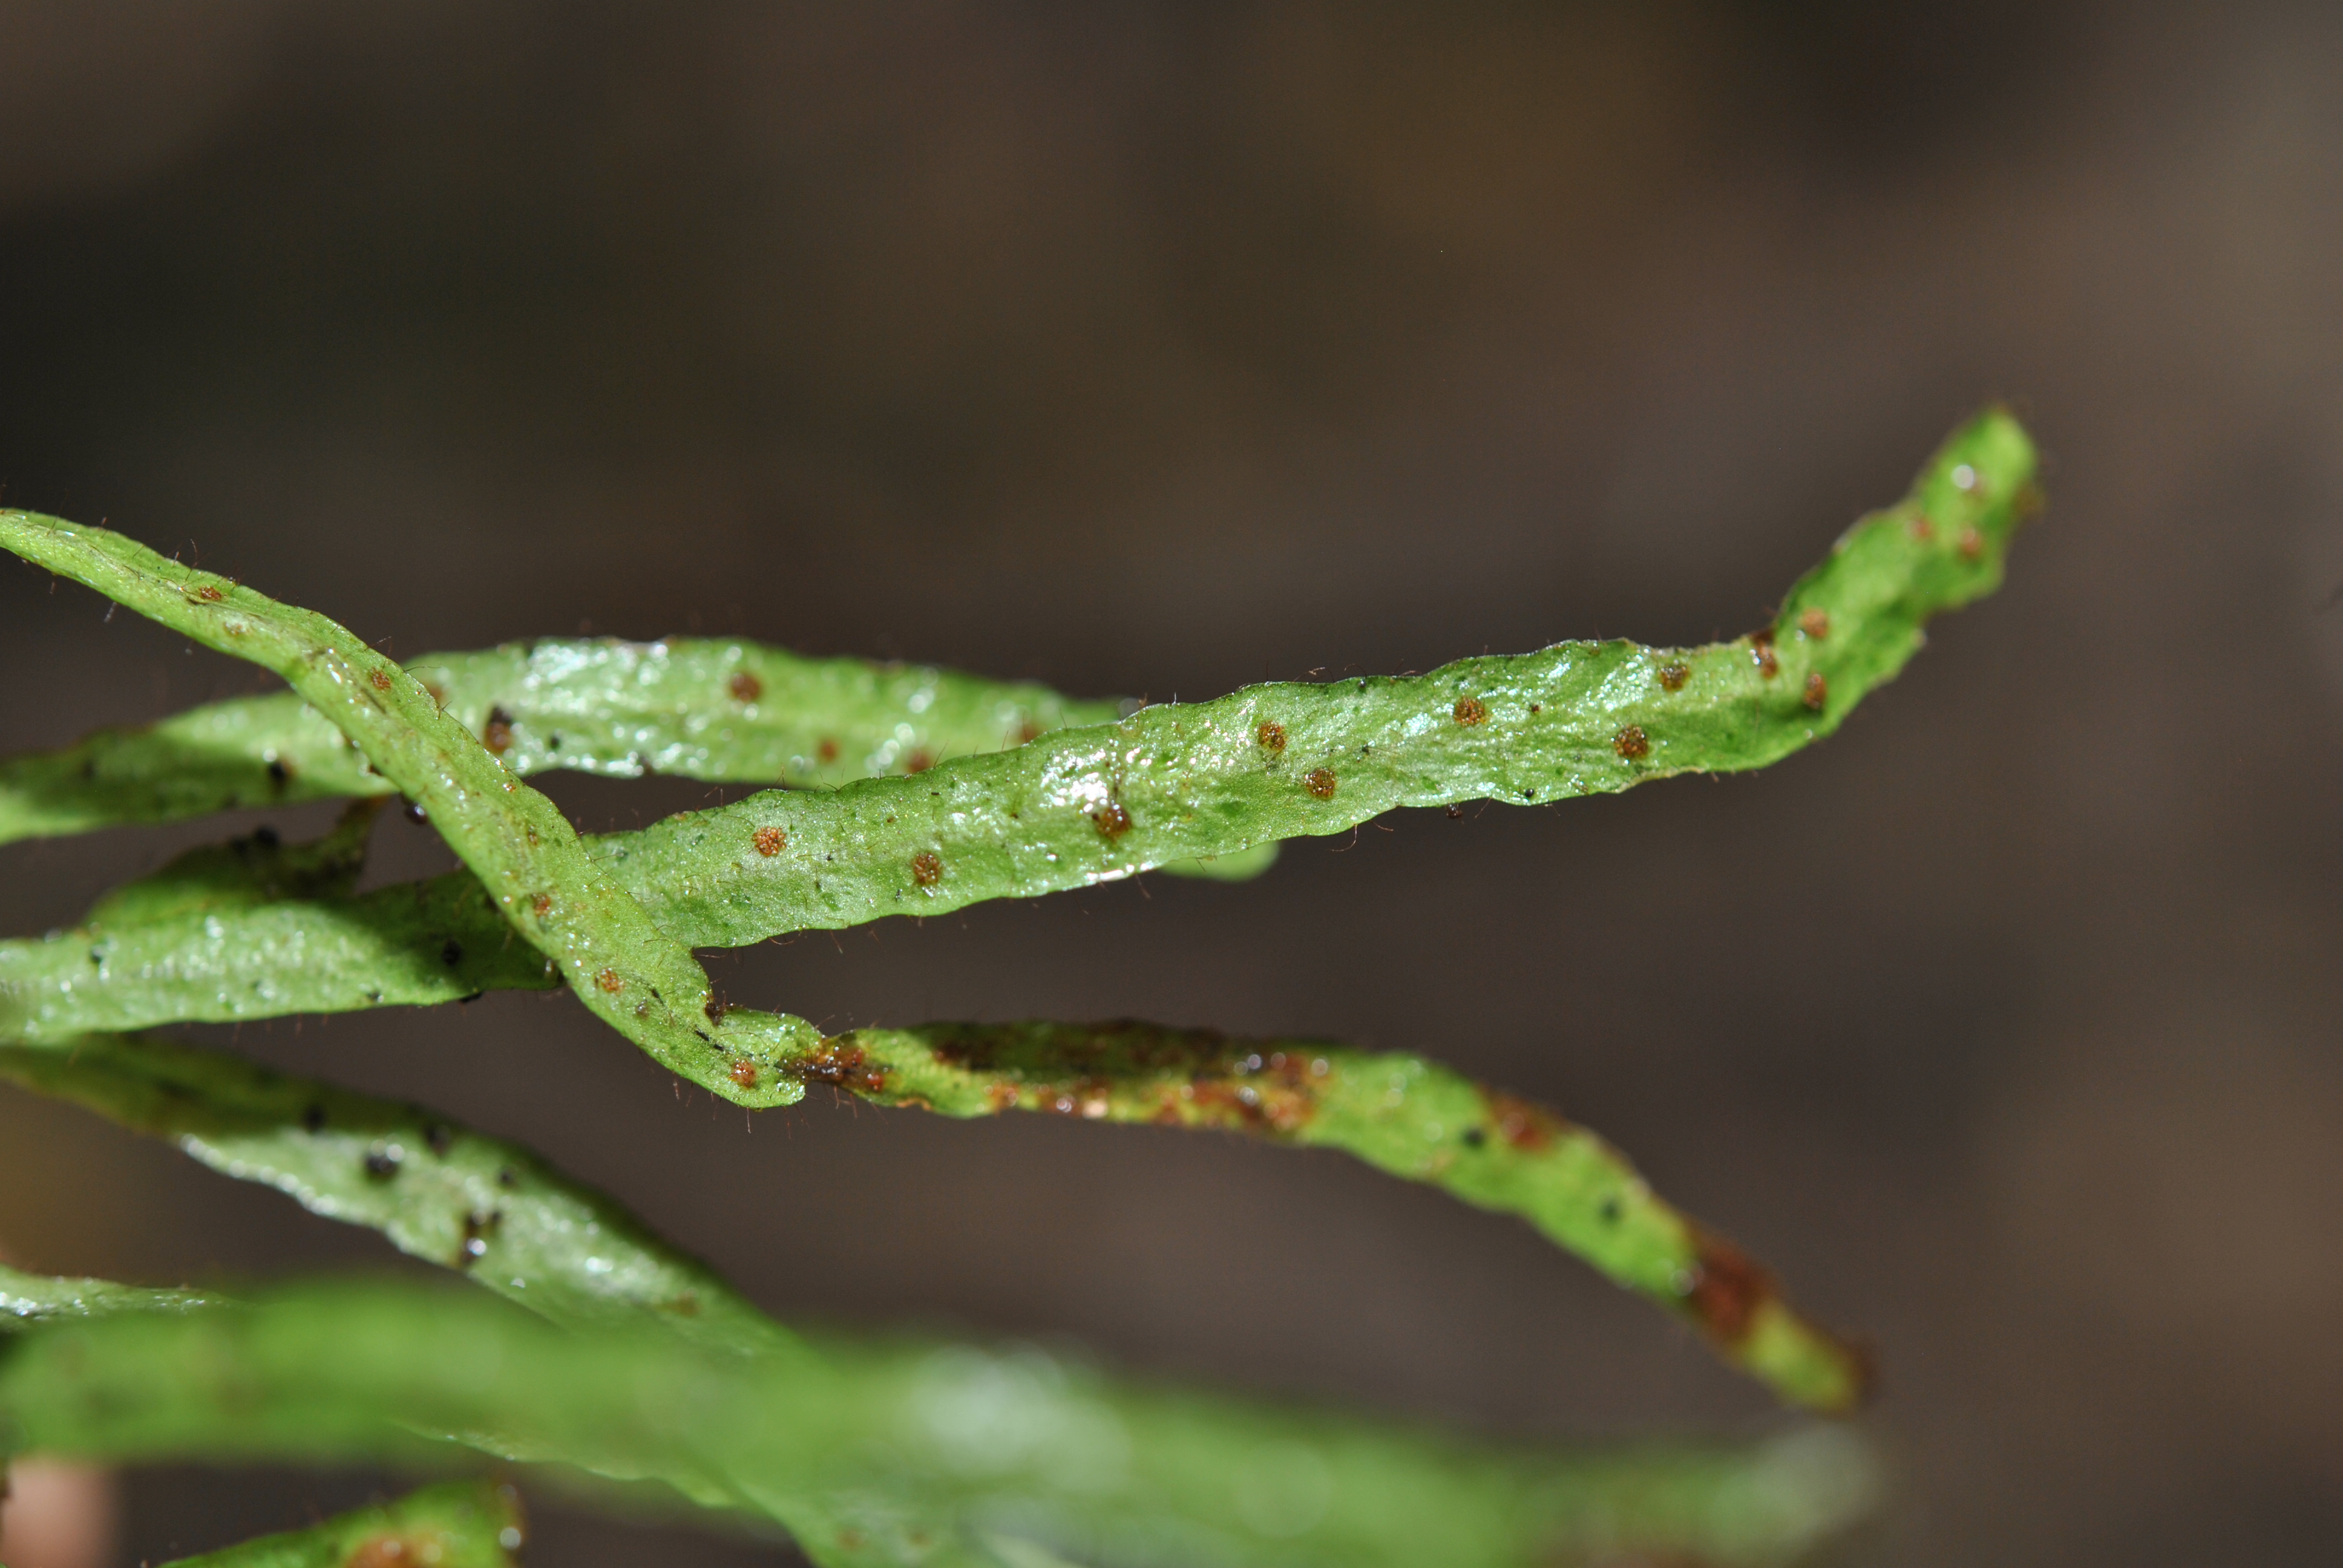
point(548, 890)
point(453, 1197)
point(434, 1188)
point(260, 928)
point(1086, 804)
point(723, 710)
point(457, 1524)
point(865, 1449)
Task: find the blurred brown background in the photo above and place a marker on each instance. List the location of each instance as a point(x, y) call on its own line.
point(1158, 349)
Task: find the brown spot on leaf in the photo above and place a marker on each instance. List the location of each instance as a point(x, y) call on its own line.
point(743, 1072)
point(209, 594)
point(1817, 690)
point(1271, 736)
point(842, 1065)
point(388, 1551)
point(1727, 1288)
point(1028, 731)
point(1471, 711)
point(1319, 783)
point(380, 679)
point(478, 1230)
point(609, 980)
point(714, 1008)
point(1972, 544)
point(744, 686)
point(1815, 623)
point(827, 752)
point(1922, 528)
point(1767, 664)
point(1673, 674)
point(497, 734)
point(1112, 821)
point(927, 868)
point(769, 842)
point(541, 905)
point(1523, 1126)
point(919, 761)
point(1632, 743)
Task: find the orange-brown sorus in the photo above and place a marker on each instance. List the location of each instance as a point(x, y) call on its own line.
point(1319, 783)
point(1815, 623)
point(1271, 735)
point(1522, 1125)
point(1632, 743)
point(541, 905)
point(609, 981)
point(380, 678)
point(1922, 528)
point(827, 750)
point(745, 687)
point(1112, 821)
point(841, 1066)
point(497, 734)
point(919, 761)
point(1028, 731)
point(1817, 690)
point(1727, 1290)
point(209, 594)
point(1761, 649)
point(1472, 710)
point(395, 1551)
point(1972, 544)
point(1673, 675)
point(771, 841)
point(744, 1073)
point(927, 868)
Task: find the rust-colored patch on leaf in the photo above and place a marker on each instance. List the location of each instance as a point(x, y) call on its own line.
point(1729, 1288)
point(827, 752)
point(743, 1072)
point(1815, 623)
point(1028, 731)
point(771, 841)
point(1817, 690)
point(1270, 734)
point(1523, 1126)
point(744, 686)
point(1673, 674)
point(610, 982)
point(1971, 545)
point(927, 868)
point(209, 594)
point(919, 761)
point(1471, 711)
point(541, 905)
point(391, 1551)
point(1112, 821)
point(380, 679)
point(1922, 528)
point(841, 1064)
point(1632, 744)
point(1761, 649)
point(497, 734)
point(1319, 783)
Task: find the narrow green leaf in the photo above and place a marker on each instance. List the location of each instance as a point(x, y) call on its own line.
point(879, 1440)
point(1402, 1114)
point(435, 1190)
point(572, 1255)
point(724, 711)
point(29, 1301)
point(1078, 807)
point(630, 974)
point(456, 1524)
